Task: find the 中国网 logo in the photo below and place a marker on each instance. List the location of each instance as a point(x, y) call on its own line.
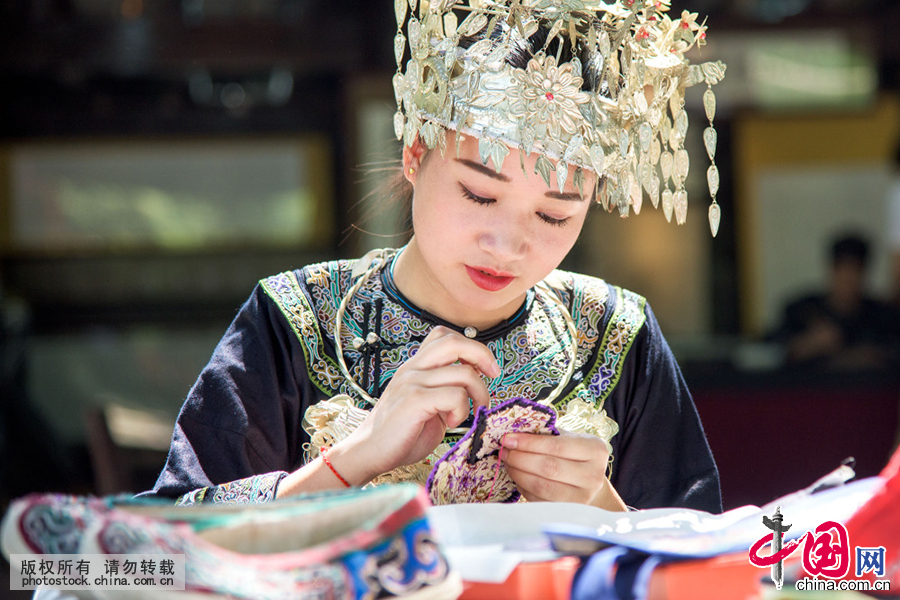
point(826, 554)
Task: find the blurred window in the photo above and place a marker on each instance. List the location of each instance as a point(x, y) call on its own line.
point(175, 196)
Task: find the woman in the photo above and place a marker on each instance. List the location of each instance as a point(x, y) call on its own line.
point(383, 358)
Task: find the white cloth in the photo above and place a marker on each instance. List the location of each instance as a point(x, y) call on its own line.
point(52, 595)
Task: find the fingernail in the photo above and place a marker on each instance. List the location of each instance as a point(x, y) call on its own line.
point(509, 442)
point(495, 369)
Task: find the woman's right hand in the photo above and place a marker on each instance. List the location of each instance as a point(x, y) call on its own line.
point(428, 394)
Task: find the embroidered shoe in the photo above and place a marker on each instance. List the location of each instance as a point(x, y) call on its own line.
point(351, 544)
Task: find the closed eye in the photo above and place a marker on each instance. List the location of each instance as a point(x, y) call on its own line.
point(551, 221)
point(475, 198)
point(482, 200)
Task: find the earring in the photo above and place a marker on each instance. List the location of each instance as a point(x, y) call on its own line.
point(412, 171)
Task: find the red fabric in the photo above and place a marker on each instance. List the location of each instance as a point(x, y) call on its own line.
point(772, 441)
point(877, 523)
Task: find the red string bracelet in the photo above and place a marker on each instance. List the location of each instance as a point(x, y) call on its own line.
point(330, 466)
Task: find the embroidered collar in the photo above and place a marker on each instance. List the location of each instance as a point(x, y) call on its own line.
point(484, 335)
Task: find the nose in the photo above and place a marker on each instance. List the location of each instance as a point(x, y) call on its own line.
point(505, 238)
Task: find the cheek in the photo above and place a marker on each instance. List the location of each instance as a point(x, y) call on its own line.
point(551, 247)
point(441, 217)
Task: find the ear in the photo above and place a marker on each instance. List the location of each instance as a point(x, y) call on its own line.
point(413, 156)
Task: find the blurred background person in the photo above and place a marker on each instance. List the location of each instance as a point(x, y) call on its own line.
point(842, 327)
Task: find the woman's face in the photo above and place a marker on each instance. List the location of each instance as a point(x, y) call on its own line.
point(482, 238)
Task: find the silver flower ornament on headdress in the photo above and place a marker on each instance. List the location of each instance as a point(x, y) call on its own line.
point(628, 125)
point(548, 94)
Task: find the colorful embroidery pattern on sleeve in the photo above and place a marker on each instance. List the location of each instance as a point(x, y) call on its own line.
point(251, 490)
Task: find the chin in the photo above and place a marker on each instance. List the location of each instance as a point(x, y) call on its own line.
point(483, 301)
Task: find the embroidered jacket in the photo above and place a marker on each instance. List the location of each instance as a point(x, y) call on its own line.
point(239, 432)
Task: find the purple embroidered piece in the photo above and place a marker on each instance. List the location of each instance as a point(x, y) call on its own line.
point(467, 472)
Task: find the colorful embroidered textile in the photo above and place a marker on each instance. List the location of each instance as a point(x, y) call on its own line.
point(471, 471)
point(249, 490)
point(244, 416)
point(351, 544)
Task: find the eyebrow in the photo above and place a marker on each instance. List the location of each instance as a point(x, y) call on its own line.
point(571, 196)
point(485, 170)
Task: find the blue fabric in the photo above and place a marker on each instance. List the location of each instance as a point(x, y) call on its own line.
point(597, 578)
point(615, 573)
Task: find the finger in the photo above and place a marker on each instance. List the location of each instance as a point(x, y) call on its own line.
point(446, 349)
point(571, 446)
point(450, 403)
point(552, 468)
point(537, 489)
point(437, 333)
point(463, 376)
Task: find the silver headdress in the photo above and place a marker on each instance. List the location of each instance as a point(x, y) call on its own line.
point(629, 124)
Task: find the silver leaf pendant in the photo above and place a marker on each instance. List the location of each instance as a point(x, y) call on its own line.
point(621, 197)
point(597, 158)
point(399, 47)
point(578, 181)
point(666, 163)
point(709, 104)
point(710, 140)
point(682, 164)
point(654, 191)
point(472, 24)
point(543, 166)
point(528, 139)
point(399, 86)
point(484, 150)
point(665, 130)
point(499, 150)
point(400, 11)
point(681, 206)
point(562, 173)
point(675, 140)
point(646, 174)
point(414, 28)
point(715, 215)
point(712, 178)
point(681, 123)
point(655, 150)
point(604, 195)
point(676, 103)
point(668, 202)
point(450, 25)
point(574, 144)
point(623, 143)
point(645, 134)
point(399, 124)
point(637, 197)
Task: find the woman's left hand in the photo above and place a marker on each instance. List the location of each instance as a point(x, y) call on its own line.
point(560, 468)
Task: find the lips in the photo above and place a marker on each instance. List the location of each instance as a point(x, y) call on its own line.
point(489, 279)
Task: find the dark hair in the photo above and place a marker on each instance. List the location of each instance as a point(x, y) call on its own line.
point(523, 49)
point(850, 246)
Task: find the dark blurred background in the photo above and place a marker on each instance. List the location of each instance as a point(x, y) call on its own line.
point(158, 158)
